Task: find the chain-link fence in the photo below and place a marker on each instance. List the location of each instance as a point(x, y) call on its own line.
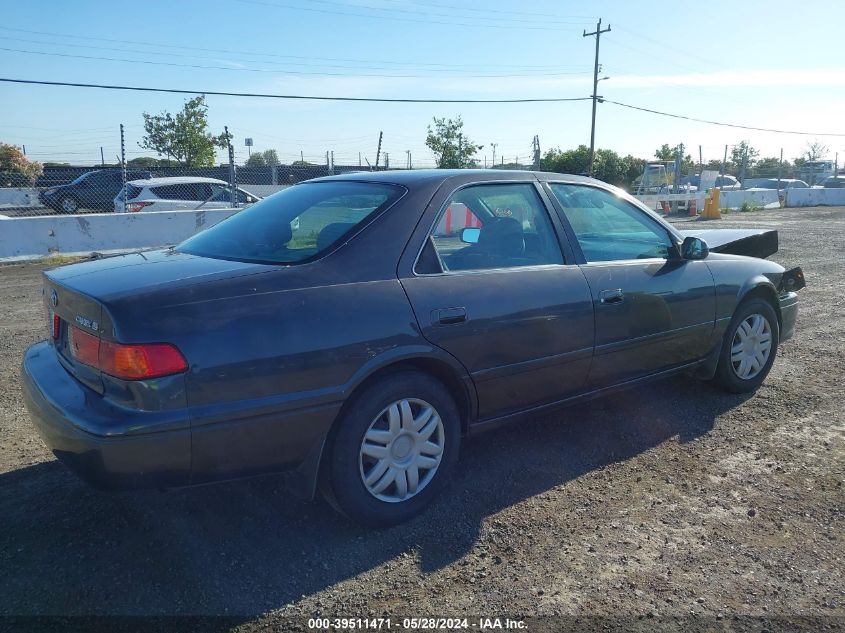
point(156, 184)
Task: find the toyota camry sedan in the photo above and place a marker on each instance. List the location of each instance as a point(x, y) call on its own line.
point(352, 330)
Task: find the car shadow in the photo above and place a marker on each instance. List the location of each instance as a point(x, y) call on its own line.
point(244, 548)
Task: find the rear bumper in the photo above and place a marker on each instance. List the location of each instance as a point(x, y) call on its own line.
point(788, 315)
point(105, 445)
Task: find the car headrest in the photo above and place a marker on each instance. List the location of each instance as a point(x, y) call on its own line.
point(331, 233)
point(502, 236)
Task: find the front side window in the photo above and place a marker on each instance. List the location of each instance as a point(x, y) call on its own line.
point(294, 225)
point(608, 228)
point(494, 226)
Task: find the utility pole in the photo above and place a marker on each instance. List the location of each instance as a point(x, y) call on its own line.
point(700, 163)
point(408, 152)
point(331, 169)
point(780, 167)
point(233, 194)
point(24, 149)
point(536, 146)
point(102, 158)
point(597, 34)
point(123, 166)
point(724, 160)
point(378, 151)
point(460, 151)
point(493, 162)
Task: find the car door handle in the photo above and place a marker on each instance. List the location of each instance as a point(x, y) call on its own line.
point(610, 297)
point(449, 316)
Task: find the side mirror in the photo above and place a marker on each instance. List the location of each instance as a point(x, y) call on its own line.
point(470, 235)
point(694, 248)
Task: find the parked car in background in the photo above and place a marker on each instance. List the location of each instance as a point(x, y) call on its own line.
point(179, 193)
point(834, 182)
point(341, 328)
point(92, 191)
point(774, 183)
point(725, 182)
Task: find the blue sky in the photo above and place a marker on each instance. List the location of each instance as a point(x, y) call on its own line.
point(765, 64)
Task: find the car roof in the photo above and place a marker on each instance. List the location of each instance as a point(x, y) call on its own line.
point(417, 176)
point(175, 180)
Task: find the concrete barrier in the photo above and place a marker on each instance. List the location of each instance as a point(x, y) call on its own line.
point(813, 197)
point(263, 190)
point(31, 238)
point(18, 197)
point(765, 198)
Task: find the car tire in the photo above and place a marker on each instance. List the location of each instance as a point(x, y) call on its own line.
point(749, 347)
point(377, 441)
point(68, 204)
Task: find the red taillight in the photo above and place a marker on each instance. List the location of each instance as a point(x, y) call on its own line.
point(136, 362)
point(57, 322)
point(133, 207)
point(84, 347)
point(128, 362)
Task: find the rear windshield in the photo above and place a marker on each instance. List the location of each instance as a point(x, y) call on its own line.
point(294, 225)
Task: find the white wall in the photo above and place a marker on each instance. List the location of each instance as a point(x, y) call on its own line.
point(766, 198)
point(815, 197)
point(29, 238)
point(19, 197)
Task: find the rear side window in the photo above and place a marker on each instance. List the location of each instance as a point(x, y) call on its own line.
point(493, 226)
point(192, 191)
point(294, 225)
point(132, 191)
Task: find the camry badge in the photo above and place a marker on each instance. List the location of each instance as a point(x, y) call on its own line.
point(91, 325)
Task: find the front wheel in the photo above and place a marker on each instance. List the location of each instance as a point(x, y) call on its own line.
point(394, 449)
point(749, 347)
point(68, 205)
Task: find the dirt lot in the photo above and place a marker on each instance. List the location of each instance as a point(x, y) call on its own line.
point(670, 500)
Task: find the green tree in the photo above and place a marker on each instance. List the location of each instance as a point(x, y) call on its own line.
point(743, 153)
point(665, 152)
point(572, 161)
point(262, 159)
point(256, 160)
point(769, 167)
point(184, 137)
point(608, 166)
point(16, 167)
point(450, 146)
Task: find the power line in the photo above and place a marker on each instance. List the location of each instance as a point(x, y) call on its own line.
point(487, 10)
point(282, 96)
point(399, 100)
point(263, 54)
point(507, 26)
point(244, 69)
point(719, 123)
point(445, 71)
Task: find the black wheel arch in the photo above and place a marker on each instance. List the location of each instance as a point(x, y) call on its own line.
point(433, 362)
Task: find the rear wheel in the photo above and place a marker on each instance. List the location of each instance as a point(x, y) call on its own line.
point(749, 347)
point(394, 449)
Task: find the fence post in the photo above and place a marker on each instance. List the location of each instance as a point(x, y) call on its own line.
point(123, 168)
point(233, 191)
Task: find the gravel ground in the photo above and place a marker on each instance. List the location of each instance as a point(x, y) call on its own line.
point(672, 500)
